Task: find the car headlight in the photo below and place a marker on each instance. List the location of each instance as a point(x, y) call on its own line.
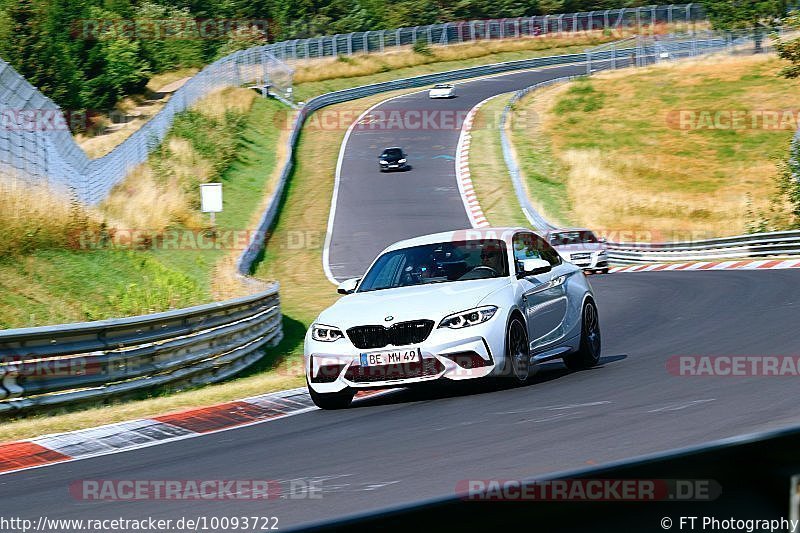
point(401, 161)
point(384, 162)
point(468, 318)
point(320, 332)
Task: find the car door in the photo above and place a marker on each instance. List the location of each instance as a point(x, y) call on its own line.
point(543, 295)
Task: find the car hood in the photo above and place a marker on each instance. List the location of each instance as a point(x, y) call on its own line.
point(434, 302)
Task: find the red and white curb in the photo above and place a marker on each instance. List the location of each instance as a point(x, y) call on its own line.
point(746, 264)
point(134, 434)
point(465, 186)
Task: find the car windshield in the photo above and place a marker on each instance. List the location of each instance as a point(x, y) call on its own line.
point(437, 263)
point(572, 237)
point(392, 152)
point(442, 86)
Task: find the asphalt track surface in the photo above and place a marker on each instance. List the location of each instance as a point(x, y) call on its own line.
point(412, 445)
point(374, 209)
point(418, 444)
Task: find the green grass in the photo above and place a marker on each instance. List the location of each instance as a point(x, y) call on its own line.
point(488, 170)
point(53, 286)
point(306, 90)
point(294, 261)
point(61, 285)
point(543, 175)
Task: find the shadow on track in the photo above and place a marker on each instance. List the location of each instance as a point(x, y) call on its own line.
point(441, 389)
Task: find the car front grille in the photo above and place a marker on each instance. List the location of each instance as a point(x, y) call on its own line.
point(581, 256)
point(400, 334)
point(369, 374)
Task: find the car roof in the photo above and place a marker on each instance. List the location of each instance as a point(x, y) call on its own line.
point(502, 233)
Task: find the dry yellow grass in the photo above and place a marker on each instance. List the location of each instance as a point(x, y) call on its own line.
point(216, 104)
point(366, 64)
point(294, 257)
point(226, 281)
point(165, 78)
point(143, 202)
point(629, 167)
point(488, 169)
point(99, 145)
point(155, 198)
point(33, 216)
point(138, 110)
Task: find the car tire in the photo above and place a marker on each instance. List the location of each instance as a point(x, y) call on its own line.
point(517, 360)
point(332, 400)
point(588, 354)
point(604, 270)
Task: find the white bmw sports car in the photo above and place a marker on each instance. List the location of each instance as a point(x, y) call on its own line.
point(470, 304)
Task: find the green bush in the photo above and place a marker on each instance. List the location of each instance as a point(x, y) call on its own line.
point(421, 47)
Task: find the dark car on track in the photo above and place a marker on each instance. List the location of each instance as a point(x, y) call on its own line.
point(393, 159)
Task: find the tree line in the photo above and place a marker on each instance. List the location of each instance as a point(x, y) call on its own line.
point(57, 46)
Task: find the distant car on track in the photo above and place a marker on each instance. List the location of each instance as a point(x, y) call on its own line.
point(393, 159)
point(459, 305)
point(581, 247)
point(442, 90)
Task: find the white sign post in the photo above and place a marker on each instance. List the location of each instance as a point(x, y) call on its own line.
point(211, 199)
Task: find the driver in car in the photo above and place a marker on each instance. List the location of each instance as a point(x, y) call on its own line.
point(492, 257)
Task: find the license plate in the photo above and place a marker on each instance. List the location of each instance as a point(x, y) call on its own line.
point(391, 357)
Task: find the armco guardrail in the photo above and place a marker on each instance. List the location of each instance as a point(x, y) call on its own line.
point(640, 52)
point(249, 255)
point(618, 56)
point(56, 365)
point(754, 245)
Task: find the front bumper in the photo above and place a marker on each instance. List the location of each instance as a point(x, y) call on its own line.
point(594, 261)
point(394, 166)
point(469, 353)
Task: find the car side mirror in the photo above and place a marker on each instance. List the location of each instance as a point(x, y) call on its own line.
point(532, 267)
point(348, 286)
